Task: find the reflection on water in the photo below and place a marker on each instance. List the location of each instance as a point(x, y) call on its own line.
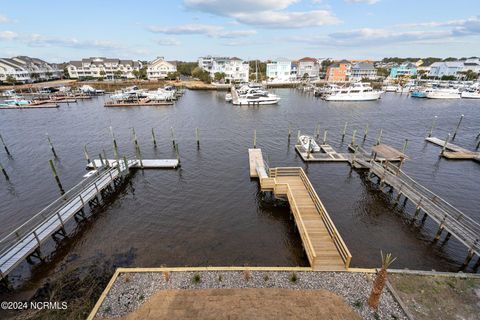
point(209, 212)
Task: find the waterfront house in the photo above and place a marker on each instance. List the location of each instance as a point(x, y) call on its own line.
point(445, 68)
point(309, 68)
point(101, 67)
point(338, 72)
point(160, 68)
point(406, 69)
point(26, 69)
point(279, 70)
point(472, 64)
point(235, 69)
point(362, 70)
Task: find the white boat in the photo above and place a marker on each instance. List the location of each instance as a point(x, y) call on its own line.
point(443, 93)
point(16, 102)
point(357, 92)
point(90, 90)
point(390, 88)
point(328, 89)
point(228, 97)
point(257, 99)
point(308, 142)
point(470, 95)
point(405, 89)
point(9, 93)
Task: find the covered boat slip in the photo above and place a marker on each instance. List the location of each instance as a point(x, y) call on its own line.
point(325, 248)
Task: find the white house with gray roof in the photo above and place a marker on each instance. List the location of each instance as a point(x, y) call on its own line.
point(101, 67)
point(25, 69)
point(363, 70)
point(160, 68)
point(235, 69)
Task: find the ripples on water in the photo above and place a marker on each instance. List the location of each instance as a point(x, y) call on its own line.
point(209, 212)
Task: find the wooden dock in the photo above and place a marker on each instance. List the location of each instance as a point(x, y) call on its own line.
point(27, 107)
point(140, 103)
point(453, 151)
point(453, 221)
point(326, 154)
point(25, 241)
point(137, 164)
point(324, 246)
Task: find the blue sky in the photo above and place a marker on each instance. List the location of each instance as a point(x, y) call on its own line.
point(186, 29)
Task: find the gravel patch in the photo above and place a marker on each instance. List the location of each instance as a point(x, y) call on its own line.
point(130, 290)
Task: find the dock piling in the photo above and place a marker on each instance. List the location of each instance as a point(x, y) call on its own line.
point(298, 136)
point(197, 137)
point(51, 146)
point(254, 138)
point(317, 131)
point(478, 145)
point(433, 126)
point(178, 153)
point(365, 133)
point(106, 159)
point(5, 146)
point(85, 152)
point(379, 139)
point(458, 126)
point(113, 137)
point(4, 172)
point(289, 132)
point(445, 144)
point(101, 159)
point(154, 138)
point(405, 146)
point(344, 130)
point(173, 136)
point(353, 137)
point(55, 175)
point(325, 136)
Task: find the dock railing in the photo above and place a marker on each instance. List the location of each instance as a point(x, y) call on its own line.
point(330, 226)
point(464, 228)
point(70, 199)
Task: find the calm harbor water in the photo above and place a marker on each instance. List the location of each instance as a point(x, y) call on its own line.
point(209, 212)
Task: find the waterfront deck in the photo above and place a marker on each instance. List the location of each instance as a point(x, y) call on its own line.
point(325, 248)
point(449, 218)
point(453, 151)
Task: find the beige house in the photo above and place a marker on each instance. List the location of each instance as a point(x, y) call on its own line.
point(160, 68)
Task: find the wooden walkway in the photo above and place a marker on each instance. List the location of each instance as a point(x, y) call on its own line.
point(453, 221)
point(25, 241)
point(137, 164)
point(324, 246)
point(453, 151)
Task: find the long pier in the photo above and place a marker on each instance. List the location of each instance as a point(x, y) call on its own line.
point(25, 241)
point(323, 244)
point(449, 218)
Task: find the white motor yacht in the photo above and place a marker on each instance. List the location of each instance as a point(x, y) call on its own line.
point(356, 92)
point(443, 93)
point(470, 94)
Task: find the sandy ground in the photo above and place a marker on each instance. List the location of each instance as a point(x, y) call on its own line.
point(438, 297)
point(244, 304)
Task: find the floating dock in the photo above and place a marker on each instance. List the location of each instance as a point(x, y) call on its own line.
point(30, 106)
point(137, 164)
point(453, 151)
point(138, 103)
point(326, 154)
point(325, 248)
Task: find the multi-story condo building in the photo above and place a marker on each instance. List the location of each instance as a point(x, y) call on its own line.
point(338, 71)
point(406, 69)
point(362, 70)
point(308, 67)
point(101, 67)
point(235, 69)
point(445, 68)
point(160, 68)
point(472, 64)
point(25, 69)
point(279, 70)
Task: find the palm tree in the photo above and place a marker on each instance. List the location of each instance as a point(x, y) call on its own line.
point(380, 281)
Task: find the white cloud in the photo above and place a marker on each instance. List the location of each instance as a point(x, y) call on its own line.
point(37, 40)
point(4, 19)
point(264, 13)
point(168, 42)
point(429, 32)
point(227, 8)
point(277, 19)
point(362, 1)
point(202, 29)
point(8, 35)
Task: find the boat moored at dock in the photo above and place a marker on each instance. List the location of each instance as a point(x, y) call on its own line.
point(356, 92)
